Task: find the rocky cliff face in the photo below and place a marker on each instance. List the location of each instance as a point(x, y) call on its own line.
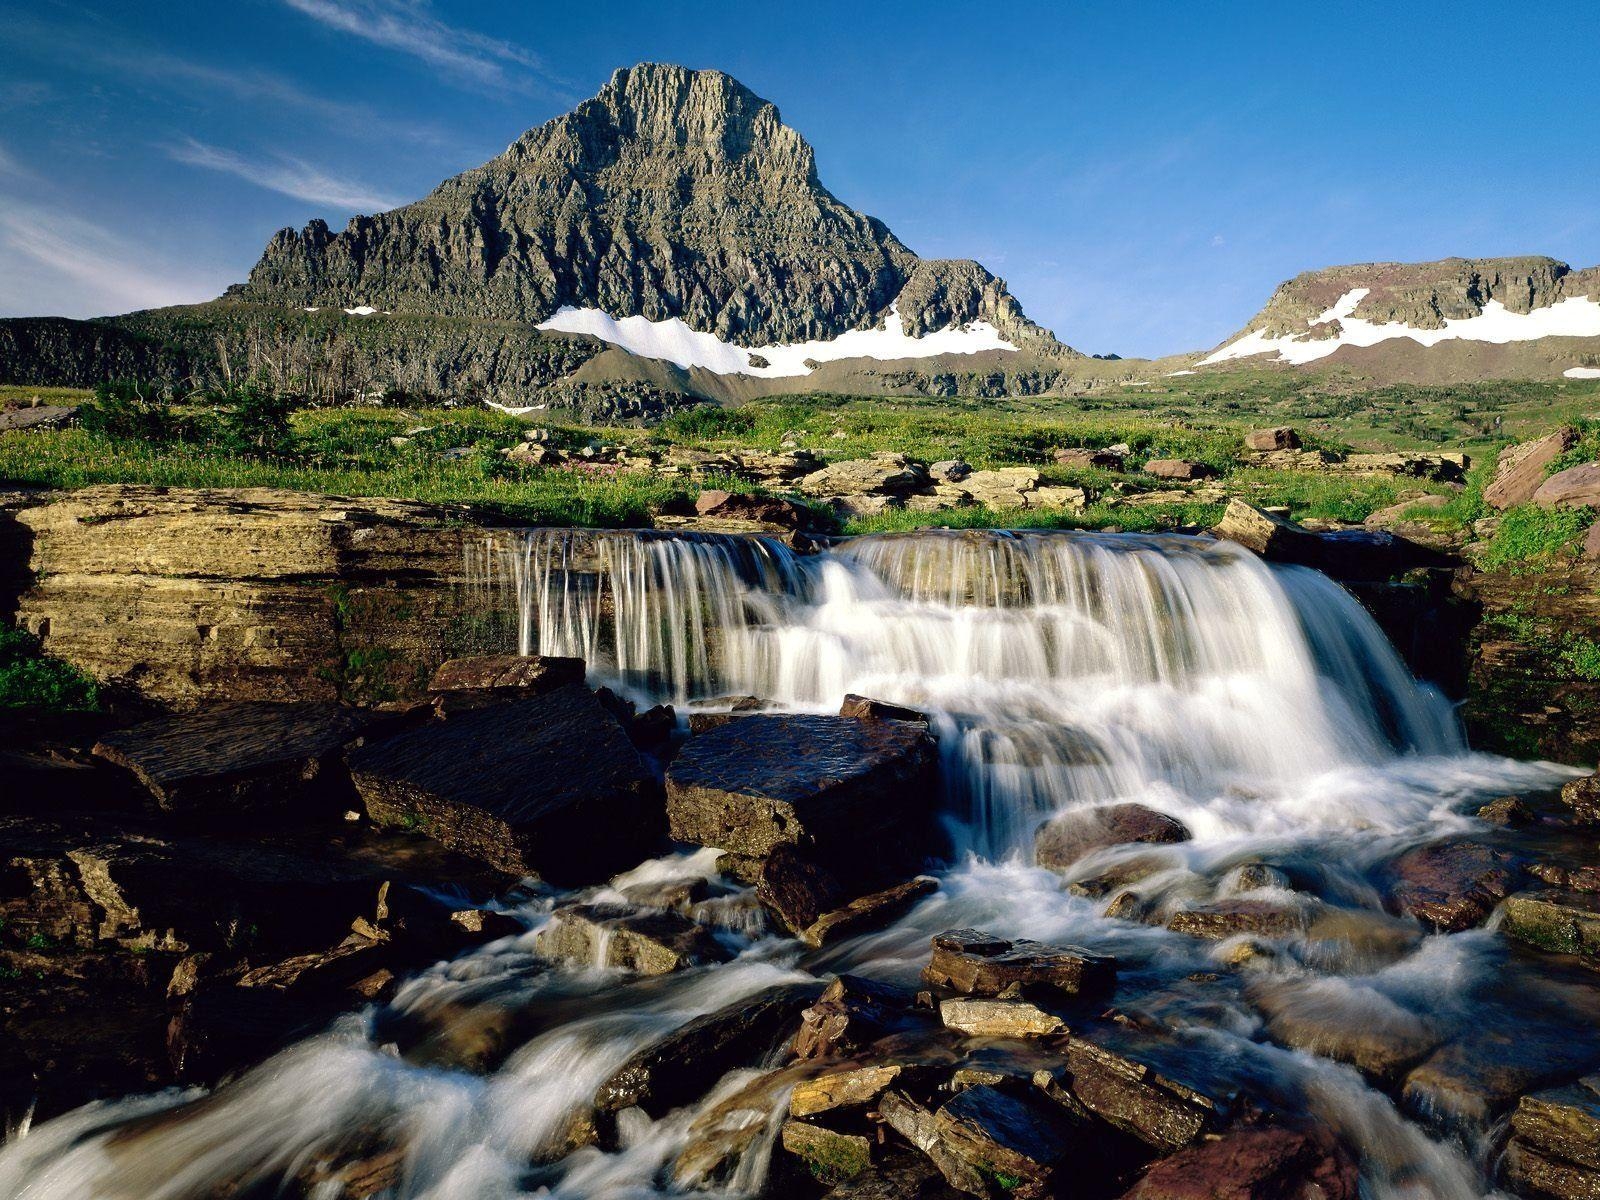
point(672, 193)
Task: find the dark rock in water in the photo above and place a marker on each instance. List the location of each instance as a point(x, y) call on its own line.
point(1254, 1164)
point(846, 1088)
point(1562, 1122)
point(357, 1178)
point(1063, 840)
point(1226, 918)
point(1016, 1143)
point(1010, 1018)
point(871, 911)
point(1512, 812)
point(980, 964)
point(652, 942)
point(688, 1062)
point(816, 907)
point(920, 1127)
point(864, 709)
point(1567, 876)
point(235, 760)
point(1562, 923)
point(1452, 885)
point(847, 791)
point(1527, 1172)
point(898, 1175)
point(1376, 1035)
point(487, 678)
point(720, 1136)
point(1465, 1085)
point(831, 1156)
point(853, 1013)
point(548, 786)
point(1115, 1083)
point(1582, 796)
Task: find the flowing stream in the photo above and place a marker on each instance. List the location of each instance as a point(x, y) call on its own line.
point(1259, 705)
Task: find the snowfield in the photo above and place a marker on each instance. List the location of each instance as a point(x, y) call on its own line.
point(1576, 316)
point(1582, 372)
point(675, 342)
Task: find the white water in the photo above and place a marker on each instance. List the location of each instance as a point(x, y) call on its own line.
point(1258, 704)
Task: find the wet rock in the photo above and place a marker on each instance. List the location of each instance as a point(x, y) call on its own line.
point(1358, 940)
point(1452, 885)
point(650, 942)
point(688, 1062)
point(234, 760)
point(1465, 1085)
point(1181, 469)
point(507, 676)
point(818, 909)
point(1063, 840)
point(1562, 1122)
point(1511, 812)
point(852, 1013)
point(1123, 874)
point(831, 1156)
point(1521, 469)
point(1561, 923)
point(720, 1137)
point(1567, 876)
point(1114, 1082)
point(979, 964)
point(548, 786)
point(1227, 918)
point(369, 1175)
point(1253, 1164)
point(1529, 1173)
point(853, 1087)
point(846, 791)
point(864, 709)
point(898, 1175)
point(1576, 487)
point(1345, 1022)
point(1582, 796)
point(976, 1017)
point(1281, 437)
point(920, 1126)
point(1015, 1144)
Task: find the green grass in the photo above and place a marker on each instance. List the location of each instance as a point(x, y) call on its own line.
point(1531, 538)
point(32, 682)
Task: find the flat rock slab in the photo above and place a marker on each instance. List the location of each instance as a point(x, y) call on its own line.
point(1563, 1122)
point(975, 963)
point(1520, 469)
point(1452, 885)
point(1063, 840)
point(1228, 918)
point(1381, 1039)
point(980, 1017)
point(864, 913)
point(688, 1062)
point(1253, 1164)
point(651, 942)
point(38, 416)
point(1564, 923)
point(845, 789)
point(1017, 1142)
point(548, 786)
point(852, 1013)
point(831, 1156)
point(507, 674)
point(853, 1087)
point(235, 758)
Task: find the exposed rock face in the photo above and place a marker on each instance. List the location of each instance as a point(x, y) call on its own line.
point(1253, 1164)
point(672, 193)
point(1521, 469)
point(1576, 487)
point(1453, 885)
point(187, 595)
point(979, 964)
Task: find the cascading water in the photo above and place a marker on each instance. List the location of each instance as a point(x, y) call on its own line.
point(1258, 704)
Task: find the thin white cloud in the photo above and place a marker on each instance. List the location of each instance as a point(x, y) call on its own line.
point(408, 27)
point(57, 264)
point(289, 176)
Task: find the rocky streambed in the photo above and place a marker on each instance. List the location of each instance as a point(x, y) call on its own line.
point(922, 865)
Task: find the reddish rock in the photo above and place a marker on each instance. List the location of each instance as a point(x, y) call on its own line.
point(1280, 438)
point(1520, 469)
point(507, 675)
point(1063, 840)
point(1576, 487)
point(1081, 457)
point(1582, 796)
point(864, 709)
point(853, 1013)
point(760, 510)
point(1179, 469)
point(1253, 1164)
point(1452, 885)
point(980, 964)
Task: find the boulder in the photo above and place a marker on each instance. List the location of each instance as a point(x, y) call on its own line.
point(864, 913)
point(238, 760)
point(1074, 498)
point(1372, 1033)
point(812, 903)
point(1075, 456)
point(1404, 516)
point(979, 1017)
point(688, 1062)
point(37, 416)
point(1004, 487)
point(831, 1156)
point(1564, 923)
point(1520, 469)
point(1582, 796)
point(1267, 534)
point(1069, 837)
point(862, 708)
point(1452, 885)
point(1465, 1085)
point(950, 471)
point(846, 791)
point(1527, 1172)
point(1181, 469)
point(1111, 1078)
point(849, 1088)
point(1510, 812)
point(738, 512)
point(1562, 1122)
point(1576, 487)
point(852, 1013)
point(1254, 1164)
point(547, 786)
point(883, 474)
point(980, 964)
point(920, 1127)
point(1015, 1143)
point(1229, 918)
point(1279, 438)
point(506, 676)
point(649, 942)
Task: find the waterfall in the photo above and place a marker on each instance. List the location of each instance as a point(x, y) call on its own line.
point(1061, 668)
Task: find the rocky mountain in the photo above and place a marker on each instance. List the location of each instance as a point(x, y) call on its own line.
point(671, 194)
point(1450, 305)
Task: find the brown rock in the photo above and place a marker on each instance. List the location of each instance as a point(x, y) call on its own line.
point(1180, 469)
point(853, 1013)
point(1521, 468)
point(980, 964)
point(507, 675)
point(1111, 1081)
point(978, 1017)
point(651, 942)
point(1102, 460)
point(1576, 487)
point(1512, 812)
point(871, 911)
point(1065, 839)
point(832, 1157)
point(1452, 885)
point(1372, 1033)
point(1280, 438)
point(1227, 918)
point(863, 709)
point(1253, 1164)
point(1545, 1177)
point(1014, 1141)
point(1582, 796)
point(1553, 921)
point(1563, 1122)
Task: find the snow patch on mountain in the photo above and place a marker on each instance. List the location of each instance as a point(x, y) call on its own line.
point(1576, 316)
point(675, 342)
point(1582, 372)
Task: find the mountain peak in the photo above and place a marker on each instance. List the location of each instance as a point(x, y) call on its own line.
point(671, 194)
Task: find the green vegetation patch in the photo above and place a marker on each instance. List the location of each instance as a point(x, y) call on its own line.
point(35, 682)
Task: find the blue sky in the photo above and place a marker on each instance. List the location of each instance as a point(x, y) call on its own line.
point(1142, 174)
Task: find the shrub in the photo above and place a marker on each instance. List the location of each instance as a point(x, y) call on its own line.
point(33, 681)
point(1530, 536)
point(126, 410)
point(252, 418)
